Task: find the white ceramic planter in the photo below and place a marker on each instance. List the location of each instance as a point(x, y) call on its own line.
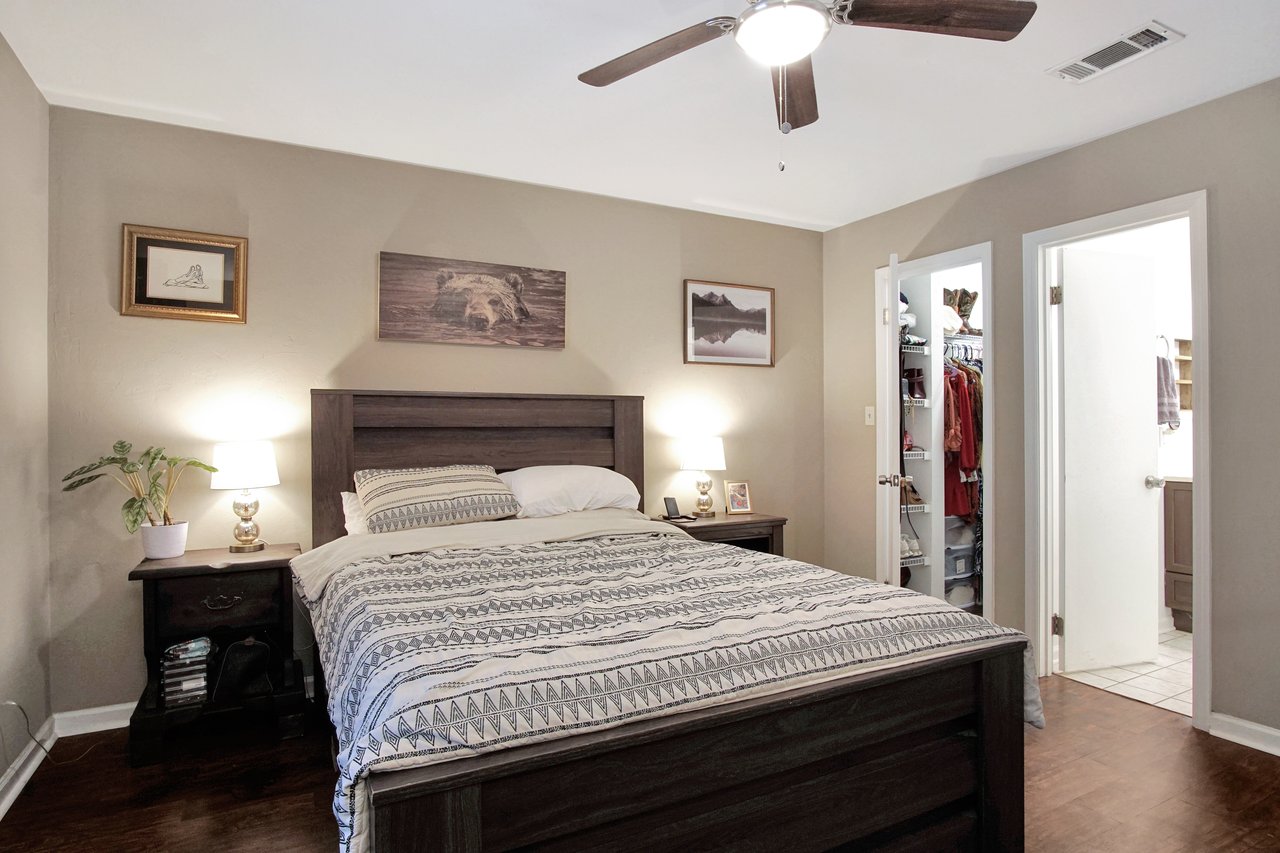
point(165, 541)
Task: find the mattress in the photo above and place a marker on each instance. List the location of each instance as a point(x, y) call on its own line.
point(445, 643)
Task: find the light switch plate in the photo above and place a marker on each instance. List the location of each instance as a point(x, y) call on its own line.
point(869, 416)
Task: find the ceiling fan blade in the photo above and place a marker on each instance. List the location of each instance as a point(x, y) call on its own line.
point(999, 20)
point(654, 52)
point(800, 106)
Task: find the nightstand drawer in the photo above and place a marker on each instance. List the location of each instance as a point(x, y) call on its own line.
point(734, 533)
point(202, 603)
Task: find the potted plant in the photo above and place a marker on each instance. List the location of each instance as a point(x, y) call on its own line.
point(150, 480)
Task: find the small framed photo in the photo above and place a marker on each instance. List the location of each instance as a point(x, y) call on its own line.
point(184, 275)
point(737, 498)
point(728, 324)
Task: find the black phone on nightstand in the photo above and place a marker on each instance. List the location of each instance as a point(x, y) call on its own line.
point(673, 511)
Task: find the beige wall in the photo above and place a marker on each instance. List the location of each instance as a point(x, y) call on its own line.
point(24, 403)
point(316, 222)
point(1231, 147)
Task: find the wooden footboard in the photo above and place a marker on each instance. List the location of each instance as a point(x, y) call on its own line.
point(926, 757)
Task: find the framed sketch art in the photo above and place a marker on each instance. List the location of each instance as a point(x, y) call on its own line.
point(737, 498)
point(183, 274)
point(728, 324)
point(443, 301)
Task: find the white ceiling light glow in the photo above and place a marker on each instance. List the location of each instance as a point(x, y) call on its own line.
point(780, 32)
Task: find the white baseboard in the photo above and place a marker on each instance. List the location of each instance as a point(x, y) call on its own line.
point(1244, 732)
point(90, 720)
point(18, 773)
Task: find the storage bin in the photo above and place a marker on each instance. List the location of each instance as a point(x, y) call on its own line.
point(959, 561)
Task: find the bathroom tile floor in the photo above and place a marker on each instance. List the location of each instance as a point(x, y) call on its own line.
point(1164, 682)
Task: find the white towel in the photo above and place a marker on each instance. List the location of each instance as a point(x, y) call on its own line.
point(1167, 405)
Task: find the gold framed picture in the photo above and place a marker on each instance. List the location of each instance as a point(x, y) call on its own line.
point(183, 275)
point(737, 498)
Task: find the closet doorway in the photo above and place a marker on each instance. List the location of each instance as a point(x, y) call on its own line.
point(934, 396)
point(1117, 428)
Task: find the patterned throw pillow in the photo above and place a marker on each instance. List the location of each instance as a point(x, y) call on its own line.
point(405, 498)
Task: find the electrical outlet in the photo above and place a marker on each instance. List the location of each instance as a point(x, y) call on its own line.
point(869, 416)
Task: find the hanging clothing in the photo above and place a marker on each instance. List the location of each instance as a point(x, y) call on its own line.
point(962, 436)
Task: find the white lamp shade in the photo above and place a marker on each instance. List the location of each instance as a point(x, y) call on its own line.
point(703, 454)
point(780, 32)
point(244, 465)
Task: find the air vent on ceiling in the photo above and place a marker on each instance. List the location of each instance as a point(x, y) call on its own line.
point(1133, 46)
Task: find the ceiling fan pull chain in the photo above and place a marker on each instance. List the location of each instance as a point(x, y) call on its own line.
point(785, 124)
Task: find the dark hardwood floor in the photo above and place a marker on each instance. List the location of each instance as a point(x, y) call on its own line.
point(1108, 774)
point(1112, 774)
point(233, 790)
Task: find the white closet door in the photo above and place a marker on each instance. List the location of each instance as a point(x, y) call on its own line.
point(1111, 531)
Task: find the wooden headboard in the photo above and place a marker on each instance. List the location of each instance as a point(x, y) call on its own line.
point(352, 430)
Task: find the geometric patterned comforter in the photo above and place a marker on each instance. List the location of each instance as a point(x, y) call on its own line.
point(440, 654)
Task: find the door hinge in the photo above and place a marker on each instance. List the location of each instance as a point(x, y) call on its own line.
point(1057, 626)
point(1055, 295)
point(885, 317)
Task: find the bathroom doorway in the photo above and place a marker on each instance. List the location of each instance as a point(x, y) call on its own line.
point(1112, 450)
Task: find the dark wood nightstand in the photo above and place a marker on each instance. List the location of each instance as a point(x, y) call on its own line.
point(754, 531)
point(225, 597)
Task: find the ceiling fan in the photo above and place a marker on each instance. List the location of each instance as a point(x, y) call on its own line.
point(783, 33)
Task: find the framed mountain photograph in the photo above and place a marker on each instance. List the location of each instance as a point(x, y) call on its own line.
point(728, 323)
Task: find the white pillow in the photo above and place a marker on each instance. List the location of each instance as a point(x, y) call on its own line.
point(546, 490)
point(353, 514)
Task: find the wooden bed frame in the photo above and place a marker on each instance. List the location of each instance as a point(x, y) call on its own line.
point(920, 757)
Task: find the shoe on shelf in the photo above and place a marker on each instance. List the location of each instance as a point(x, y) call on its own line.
point(915, 382)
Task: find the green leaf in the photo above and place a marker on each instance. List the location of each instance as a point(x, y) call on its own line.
point(131, 467)
point(85, 469)
point(189, 462)
point(71, 487)
point(149, 457)
point(157, 497)
point(134, 512)
point(122, 448)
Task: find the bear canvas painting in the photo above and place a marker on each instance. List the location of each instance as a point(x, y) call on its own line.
point(439, 300)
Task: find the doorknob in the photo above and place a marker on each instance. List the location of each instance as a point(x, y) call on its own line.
point(894, 480)
point(1154, 482)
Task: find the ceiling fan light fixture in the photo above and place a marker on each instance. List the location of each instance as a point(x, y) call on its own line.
point(780, 32)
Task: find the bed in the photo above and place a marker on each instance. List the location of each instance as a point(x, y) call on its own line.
point(924, 755)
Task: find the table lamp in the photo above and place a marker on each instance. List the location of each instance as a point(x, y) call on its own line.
point(245, 465)
point(703, 455)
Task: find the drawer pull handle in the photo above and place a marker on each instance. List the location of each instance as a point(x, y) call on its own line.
point(221, 602)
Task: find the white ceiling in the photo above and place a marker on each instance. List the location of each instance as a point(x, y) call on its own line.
point(491, 88)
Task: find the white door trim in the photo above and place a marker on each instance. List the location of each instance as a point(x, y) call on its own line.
point(888, 405)
point(888, 390)
point(1043, 426)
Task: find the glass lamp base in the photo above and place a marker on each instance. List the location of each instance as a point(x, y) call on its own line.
point(702, 508)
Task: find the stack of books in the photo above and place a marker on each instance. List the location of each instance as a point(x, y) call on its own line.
point(184, 673)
